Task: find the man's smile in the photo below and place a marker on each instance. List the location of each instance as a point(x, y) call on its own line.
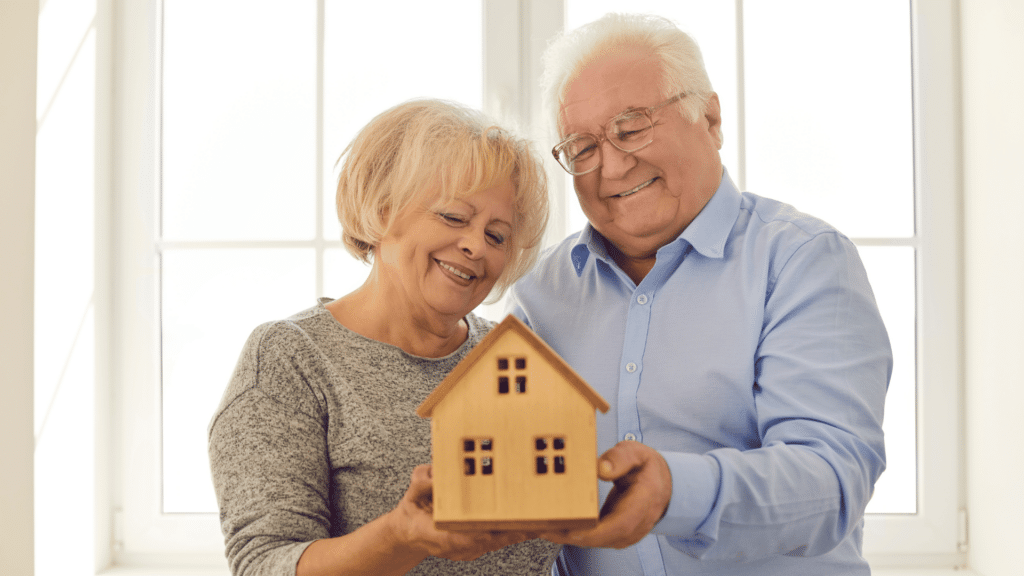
point(632, 191)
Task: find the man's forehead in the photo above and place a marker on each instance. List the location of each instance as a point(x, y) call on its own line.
point(609, 84)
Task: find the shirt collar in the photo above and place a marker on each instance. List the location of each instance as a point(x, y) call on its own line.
point(708, 232)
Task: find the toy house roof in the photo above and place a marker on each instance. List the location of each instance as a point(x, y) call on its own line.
point(511, 324)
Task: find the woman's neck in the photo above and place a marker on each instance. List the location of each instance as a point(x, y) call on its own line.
point(378, 313)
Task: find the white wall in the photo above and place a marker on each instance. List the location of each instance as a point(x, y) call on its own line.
point(993, 147)
point(17, 176)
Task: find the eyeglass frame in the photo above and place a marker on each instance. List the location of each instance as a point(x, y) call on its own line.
point(604, 133)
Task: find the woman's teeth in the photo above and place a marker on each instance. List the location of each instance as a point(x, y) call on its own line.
point(454, 271)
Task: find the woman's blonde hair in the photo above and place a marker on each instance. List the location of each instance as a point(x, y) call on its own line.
point(679, 57)
point(425, 147)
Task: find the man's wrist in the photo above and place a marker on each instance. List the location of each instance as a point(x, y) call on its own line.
point(695, 479)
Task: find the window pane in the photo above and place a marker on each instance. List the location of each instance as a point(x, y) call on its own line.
point(829, 111)
point(211, 301)
point(891, 272)
point(239, 120)
point(379, 54)
point(342, 273)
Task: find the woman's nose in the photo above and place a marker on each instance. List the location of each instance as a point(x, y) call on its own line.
point(472, 242)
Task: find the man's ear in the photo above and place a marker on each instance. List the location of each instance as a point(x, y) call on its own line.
point(713, 115)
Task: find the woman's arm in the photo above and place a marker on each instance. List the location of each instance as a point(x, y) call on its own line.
point(269, 451)
point(399, 540)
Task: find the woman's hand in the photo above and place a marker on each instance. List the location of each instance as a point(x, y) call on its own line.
point(412, 523)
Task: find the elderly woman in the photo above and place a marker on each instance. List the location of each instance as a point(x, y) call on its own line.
point(314, 444)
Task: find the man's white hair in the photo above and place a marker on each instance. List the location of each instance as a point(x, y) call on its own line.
point(682, 66)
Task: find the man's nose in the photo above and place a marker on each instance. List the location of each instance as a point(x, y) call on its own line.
point(614, 162)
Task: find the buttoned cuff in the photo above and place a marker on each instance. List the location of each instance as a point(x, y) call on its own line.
point(695, 483)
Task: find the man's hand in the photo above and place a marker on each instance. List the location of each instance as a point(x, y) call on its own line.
point(643, 488)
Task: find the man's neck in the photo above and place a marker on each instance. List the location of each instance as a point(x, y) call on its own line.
point(636, 267)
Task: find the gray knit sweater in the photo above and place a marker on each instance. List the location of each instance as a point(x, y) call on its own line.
point(317, 435)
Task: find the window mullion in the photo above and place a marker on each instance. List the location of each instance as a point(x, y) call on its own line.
point(319, 240)
point(515, 35)
point(741, 110)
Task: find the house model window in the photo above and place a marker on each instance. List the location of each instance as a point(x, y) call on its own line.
point(550, 451)
point(506, 375)
point(470, 456)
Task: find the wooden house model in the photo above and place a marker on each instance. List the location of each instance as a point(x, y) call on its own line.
point(514, 438)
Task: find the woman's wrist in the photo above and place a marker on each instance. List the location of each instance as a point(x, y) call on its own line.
point(395, 531)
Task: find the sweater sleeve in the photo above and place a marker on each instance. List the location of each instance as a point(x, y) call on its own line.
point(268, 455)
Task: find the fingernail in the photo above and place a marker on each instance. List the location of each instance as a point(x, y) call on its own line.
point(606, 467)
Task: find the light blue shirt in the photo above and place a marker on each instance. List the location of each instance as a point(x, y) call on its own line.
point(753, 358)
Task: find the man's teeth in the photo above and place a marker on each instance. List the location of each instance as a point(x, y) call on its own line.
point(635, 190)
point(454, 271)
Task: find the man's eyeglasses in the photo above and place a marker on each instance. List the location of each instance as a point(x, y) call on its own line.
point(630, 131)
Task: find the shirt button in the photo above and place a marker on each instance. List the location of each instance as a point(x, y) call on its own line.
point(631, 367)
point(641, 299)
point(629, 436)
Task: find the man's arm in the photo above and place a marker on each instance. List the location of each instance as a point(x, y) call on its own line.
point(821, 372)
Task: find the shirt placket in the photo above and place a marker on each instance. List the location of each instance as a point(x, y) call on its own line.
point(638, 321)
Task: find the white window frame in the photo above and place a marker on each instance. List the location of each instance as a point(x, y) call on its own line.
point(143, 536)
point(935, 535)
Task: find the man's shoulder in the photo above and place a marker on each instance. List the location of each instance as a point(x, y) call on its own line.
point(779, 218)
point(559, 255)
point(554, 272)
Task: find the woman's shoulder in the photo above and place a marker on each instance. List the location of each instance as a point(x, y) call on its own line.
point(309, 325)
point(282, 352)
point(478, 327)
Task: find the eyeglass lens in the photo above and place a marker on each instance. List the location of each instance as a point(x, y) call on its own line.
point(627, 132)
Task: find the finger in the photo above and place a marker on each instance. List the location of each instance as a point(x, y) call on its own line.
point(621, 458)
point(565, 536)
point(421, 488)
point(469, 546)
point(423, 474)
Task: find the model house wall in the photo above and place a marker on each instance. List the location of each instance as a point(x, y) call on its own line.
point(514, 438)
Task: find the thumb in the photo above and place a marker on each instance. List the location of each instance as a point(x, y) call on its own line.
point(621, 459)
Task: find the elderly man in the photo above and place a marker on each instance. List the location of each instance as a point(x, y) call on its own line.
point(737, 339)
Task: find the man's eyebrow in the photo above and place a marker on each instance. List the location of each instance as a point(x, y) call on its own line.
point(632, 109)
point(621, 112)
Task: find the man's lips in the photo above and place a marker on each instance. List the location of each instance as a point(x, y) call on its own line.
point(636, 189)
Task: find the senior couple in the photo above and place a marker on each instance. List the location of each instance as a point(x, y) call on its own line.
point(736, 339)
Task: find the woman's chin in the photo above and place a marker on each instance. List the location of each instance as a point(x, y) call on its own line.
point(460, 301)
